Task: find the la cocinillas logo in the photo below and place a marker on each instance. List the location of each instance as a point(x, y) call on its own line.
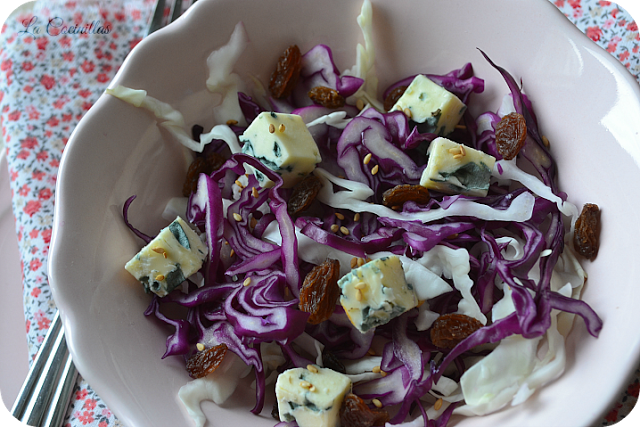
point(56, 26)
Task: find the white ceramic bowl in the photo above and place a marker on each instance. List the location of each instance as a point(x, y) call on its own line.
point(587, 105)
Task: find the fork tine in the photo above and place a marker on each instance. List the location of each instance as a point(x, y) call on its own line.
point(157, 19)
point(176, 10)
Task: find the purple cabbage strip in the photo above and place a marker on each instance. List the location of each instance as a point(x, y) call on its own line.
point(259, 311)
point(125, 215)
point(205, 206)
point(318, 69)
point(250, 109)
point(223, 333)
point(178, 342)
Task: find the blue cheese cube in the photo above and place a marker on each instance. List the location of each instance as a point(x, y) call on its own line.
point(312, 397)
point(376, 292)
point(454, 168)
point(282, 143)
point(429, 103)
point(173, 255)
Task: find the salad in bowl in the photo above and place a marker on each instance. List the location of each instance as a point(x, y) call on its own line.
point(345, 248)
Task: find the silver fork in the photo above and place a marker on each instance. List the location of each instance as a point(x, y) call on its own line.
point(45, 394)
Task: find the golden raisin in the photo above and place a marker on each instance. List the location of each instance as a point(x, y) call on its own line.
point(511, 132)
point(303, 194)
point(449, 329)
point(285, 76)
point(327, 97)
point(204, 362)
point(206, 165)
point(393, 97)
point(399, 194)
point(320, 291)
point(586, 238)
point(355, 413)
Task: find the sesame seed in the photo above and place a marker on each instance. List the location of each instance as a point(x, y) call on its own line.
point(438, 404)
point(371, 352)
point(286, 292)
point(360, 104)
point(344, 230)
point(462, 151)
point(272, 128)
point(356, 217)
point(160, 251)
point(159, 277)
point(305, 384)
point(253, 222)
point(247, 281)
point(545, 141)
point(361, 262)
point(461, 127)
point(359, 295)
point(360, 285)
point(232, 122)
point(232, 253)
point(237, 216)
point(376, 403)
point(407, 112)
point(239, 184)
point(354, 262)
point(200, 346)
point(312, 369)
point(458, 156)
point(254, 192)
point(312, 388)
point(281, 128)
point(376, 369)
point(367, 159)
point(335, 228)
point(454, 150)
point(339, 216)
point(383, 373)
point(374, 170)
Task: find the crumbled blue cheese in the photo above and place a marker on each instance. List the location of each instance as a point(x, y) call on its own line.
point(431, 104)
point(454, 168)
point(376, 292)
point(173, 255)
point(283, 143)
point(312, 397)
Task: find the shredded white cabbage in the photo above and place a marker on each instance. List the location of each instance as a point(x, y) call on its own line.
point(353, 198)
point(507, 169)
point(365, 60)
point(223, 80)
point(217, 386)
point(166, 116)
point(454, 264)
point(336, 119)
point(514, 370)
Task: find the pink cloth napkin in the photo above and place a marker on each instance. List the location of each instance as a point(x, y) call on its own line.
point(50, 77)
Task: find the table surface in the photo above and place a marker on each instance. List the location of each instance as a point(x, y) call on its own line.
point(14, 364)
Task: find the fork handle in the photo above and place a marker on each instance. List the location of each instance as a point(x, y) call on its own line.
point(60, 400)
point(44, 388)
point(36, 369)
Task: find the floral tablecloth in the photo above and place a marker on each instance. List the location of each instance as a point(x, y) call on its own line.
point(56, 60)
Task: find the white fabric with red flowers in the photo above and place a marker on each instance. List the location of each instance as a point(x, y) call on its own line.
point(48, 81)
